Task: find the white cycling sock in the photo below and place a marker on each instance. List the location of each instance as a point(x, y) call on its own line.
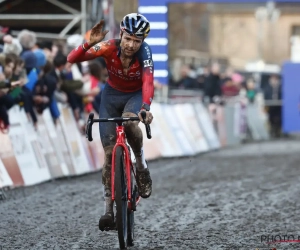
point(143, 158)
point(141, 161)
point(108, 204)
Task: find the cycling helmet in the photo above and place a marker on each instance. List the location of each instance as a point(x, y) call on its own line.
point(135, 24)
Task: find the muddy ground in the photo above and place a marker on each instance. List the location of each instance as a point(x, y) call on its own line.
point(230, 199)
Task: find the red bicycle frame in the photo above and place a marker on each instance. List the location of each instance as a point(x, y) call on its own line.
point(121, 142)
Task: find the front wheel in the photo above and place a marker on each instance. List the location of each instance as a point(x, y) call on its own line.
point(130, 215)
point(121, 197)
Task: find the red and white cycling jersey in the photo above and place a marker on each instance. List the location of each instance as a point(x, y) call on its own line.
point(139, 75)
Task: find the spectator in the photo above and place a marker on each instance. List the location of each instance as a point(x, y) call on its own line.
point(250, 90)
point(212, 87)
point(43, 92)
point(192, 72)
point(186, 82)
point(65, 83)
point(19, 72)
point(229, 88)
point(11, 45)
point(238, 80)
point(30, 63)
point(46, 46)
point(40, 59)
point(27, 39)
point(9, 65)
point(273, 92)
point(6, 101)
point(201, 78)
point(34, 75)
point(95, 69)
point(227, 75)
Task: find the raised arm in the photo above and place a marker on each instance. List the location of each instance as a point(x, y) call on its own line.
point(89, 50)
point(83, 53)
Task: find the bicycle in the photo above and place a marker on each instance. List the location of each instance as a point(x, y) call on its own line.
point(124, 191)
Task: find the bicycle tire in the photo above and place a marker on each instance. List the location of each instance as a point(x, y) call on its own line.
point(130, 221)
point(130, 218)
point(121, 198)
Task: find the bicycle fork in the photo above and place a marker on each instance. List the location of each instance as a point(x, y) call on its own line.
point(127, 170)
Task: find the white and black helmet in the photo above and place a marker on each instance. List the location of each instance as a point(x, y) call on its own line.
point(135, 24)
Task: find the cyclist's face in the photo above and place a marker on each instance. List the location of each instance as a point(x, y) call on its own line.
point(130, 44)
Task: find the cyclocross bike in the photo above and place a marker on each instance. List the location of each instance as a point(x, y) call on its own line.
point(125, 193)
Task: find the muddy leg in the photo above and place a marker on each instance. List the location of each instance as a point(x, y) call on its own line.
point(106, 179)
point(135, 139)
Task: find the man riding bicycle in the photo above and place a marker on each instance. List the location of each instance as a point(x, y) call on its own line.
point(129, 91)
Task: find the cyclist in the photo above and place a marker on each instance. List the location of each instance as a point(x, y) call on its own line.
point(129, 90)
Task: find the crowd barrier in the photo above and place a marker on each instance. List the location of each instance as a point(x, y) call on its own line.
point(29, 156)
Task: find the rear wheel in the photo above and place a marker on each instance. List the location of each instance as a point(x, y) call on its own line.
point(121, 198)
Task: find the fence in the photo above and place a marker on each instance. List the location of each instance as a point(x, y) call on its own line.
point(29, 157)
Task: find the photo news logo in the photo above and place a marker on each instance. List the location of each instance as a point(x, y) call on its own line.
point(277, 239)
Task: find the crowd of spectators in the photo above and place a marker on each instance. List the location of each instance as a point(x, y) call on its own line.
point(35, 75)
point(217, 86)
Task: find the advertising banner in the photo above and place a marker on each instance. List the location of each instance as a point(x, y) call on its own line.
point(74, 141)
point(191, 128)
point(60, 166)
point(5, 179)
point(9, 160)
point(27, 150)
point(206, 126)
point(172, 141)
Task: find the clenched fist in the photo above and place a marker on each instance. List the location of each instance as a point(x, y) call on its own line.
point(148, 119)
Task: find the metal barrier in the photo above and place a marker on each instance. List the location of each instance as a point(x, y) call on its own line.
point(29, 156)
point(184, 96)
point(234, 118)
